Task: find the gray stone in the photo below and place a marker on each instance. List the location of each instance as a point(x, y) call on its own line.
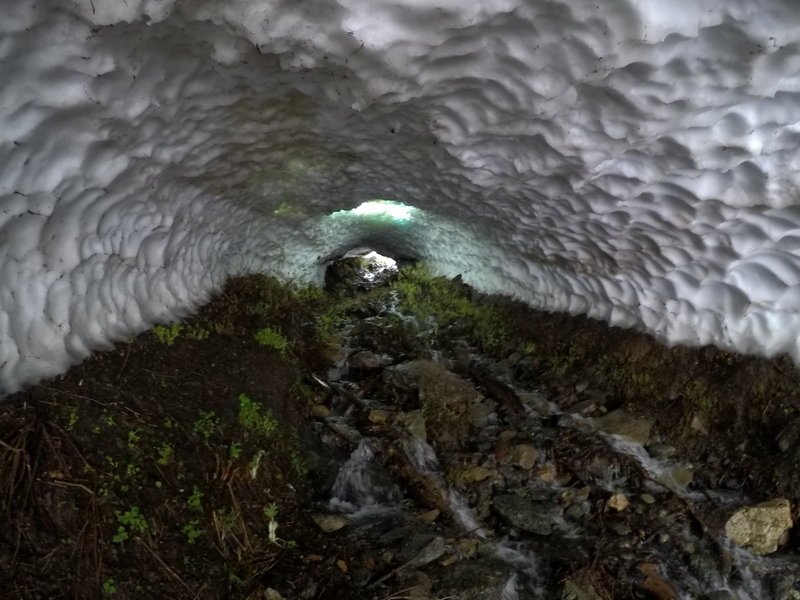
point(524, 514)
point(623, 424)
point(575, 589)
point(523, 455)
point(330, 523)
point(365, 360)
point(429, 553)
point(415, 424)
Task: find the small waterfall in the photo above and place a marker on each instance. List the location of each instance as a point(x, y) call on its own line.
point(361, 485)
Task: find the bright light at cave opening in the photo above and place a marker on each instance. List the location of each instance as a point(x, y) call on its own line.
point(384, 208)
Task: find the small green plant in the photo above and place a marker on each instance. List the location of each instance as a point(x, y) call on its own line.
point(251, 417)
point(133, 439)
point(271, 338)
point(235, 450)
point(206, 423)
point(165, 454)
point(191, 531)
point(298, 464)
point(255, 463)
point(167, 335)
point(72, 419)
point(108, 587)
point(131, 521)
point(193, 332)
point(195, 501)
point(271, 514)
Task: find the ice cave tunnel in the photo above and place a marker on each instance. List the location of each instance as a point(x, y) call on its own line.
point(632, 160)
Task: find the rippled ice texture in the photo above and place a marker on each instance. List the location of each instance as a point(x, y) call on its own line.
point(635, 161)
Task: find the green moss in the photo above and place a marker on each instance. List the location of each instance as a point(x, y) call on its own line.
point(252, 418)
point(206, 424)
point(167, 335)
point(130, 521)
point(270, 338)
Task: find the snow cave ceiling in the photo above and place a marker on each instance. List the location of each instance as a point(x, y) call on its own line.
point(632, 160)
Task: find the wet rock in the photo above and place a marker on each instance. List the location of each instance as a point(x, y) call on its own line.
point(760, 528)
point(336, 353)
point(584, 408)
point(416, 585)
point(480, 414)
point(497, 390)
point(330, 523)
point(428, 517)
point(663, 451)
point(538, 402)
point(472, 579)
point(618, 502)
point(446, 401)
point(364, 361)
point(655, 584)
point(466, 547)
point(523, 455)
point(406, 542)
point(319, 411)
point(789, 436)
point(474, 474)
point(429, 553)
point(547, 473)
point(565, 421)
point(414, 423)
point(620, 528)
point(379, 417)
point(577, 511)
point(699, 423)
point(720, 595)
point(524, 514)
point(578, 589)
point(507, 435)
point(427, 489)
point(676, 478)
point(599, 466)
point(623, 424)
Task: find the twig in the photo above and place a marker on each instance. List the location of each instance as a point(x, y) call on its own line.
point(11, 448)
point(124, 362)
point(68, 484)
point(167, 568)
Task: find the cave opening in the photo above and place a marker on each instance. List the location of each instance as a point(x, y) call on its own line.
point(362, 268)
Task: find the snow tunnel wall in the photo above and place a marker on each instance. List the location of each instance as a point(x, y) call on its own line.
point(618, 159)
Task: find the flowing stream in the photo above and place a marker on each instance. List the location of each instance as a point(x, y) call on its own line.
point(536, 520)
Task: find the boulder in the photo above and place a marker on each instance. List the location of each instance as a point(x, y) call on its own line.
point(524, 514)
point(578, 588)
point(624, 424)
point(618, 502)
point(523, 455)
point(365, 361)
point(760, 528)
point(330, 523)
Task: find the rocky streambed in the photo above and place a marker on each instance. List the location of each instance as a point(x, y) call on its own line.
point(456, 480)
